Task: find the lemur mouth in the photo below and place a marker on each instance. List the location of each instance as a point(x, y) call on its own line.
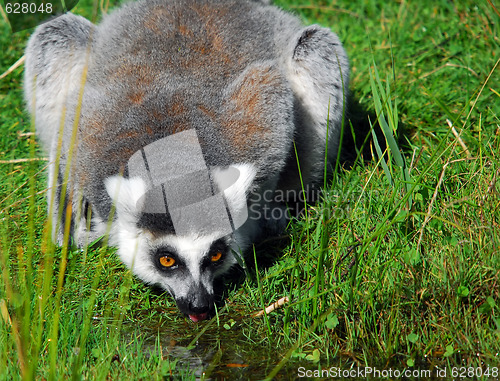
point(198, 317)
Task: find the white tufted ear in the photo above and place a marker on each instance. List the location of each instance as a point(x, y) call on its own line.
point(235, 183)
point(127, 194)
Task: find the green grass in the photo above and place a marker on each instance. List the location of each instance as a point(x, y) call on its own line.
point(398, 267)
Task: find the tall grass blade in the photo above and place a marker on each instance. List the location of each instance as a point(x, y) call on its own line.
point(389, 126)
point(381, 155)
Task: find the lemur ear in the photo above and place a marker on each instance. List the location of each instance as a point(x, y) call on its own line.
point(127, 194)
point(235, 184)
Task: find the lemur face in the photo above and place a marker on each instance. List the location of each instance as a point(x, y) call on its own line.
point(188, 271)
point(185, 266)
point(181, 246)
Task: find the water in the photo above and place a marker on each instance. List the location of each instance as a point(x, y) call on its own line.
point(213, 352)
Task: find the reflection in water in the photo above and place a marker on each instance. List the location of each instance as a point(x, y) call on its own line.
point(210, 353)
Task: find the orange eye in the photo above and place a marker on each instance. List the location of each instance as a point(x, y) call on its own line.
point(216, 257)
point(167, 261)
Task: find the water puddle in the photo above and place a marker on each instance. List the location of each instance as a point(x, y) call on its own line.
point(213, 352)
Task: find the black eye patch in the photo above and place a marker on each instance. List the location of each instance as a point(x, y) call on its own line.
point(216, 254)
point(166, 259)
point(219, 245)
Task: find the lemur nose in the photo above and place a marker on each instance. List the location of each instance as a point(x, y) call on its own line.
point(201, 301)
point(200, 306)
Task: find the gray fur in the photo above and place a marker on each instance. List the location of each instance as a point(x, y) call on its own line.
point(246, 76)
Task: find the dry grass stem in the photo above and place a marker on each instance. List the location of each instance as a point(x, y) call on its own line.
point(459, 139)
point(278, 304)
point(18, 63)
point(25, 160)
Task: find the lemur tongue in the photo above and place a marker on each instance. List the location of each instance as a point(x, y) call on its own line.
point(196, 318)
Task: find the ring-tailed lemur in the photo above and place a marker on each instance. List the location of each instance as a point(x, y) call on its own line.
point(171, 118)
